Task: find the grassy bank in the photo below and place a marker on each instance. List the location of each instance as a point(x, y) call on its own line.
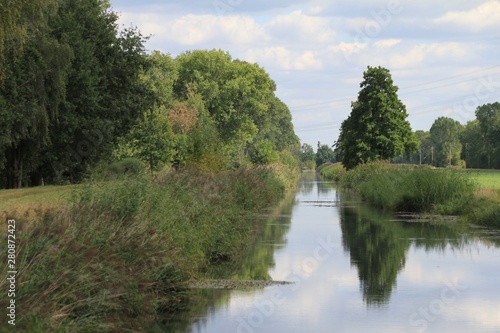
point(29, 202)
point(423, 189)
point(122, 252)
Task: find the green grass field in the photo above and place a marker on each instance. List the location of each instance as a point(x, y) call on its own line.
point(487, 178)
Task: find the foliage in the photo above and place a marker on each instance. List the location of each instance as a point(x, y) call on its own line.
point(151, 140)
point(307, 153)
point(182, 117)
point(377, 128)
point(71, 89)
point(263, 152)
point(239, 98)
point(488, 116)
point(324, 154)
point(128, 166)
point(474, 147)
point(445, 137)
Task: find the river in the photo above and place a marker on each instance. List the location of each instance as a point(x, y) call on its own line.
point(355, 269)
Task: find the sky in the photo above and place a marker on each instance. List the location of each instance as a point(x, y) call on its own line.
point(442, 54)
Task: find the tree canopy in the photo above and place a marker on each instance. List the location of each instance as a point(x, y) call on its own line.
point(377, 128)
point(76, 90)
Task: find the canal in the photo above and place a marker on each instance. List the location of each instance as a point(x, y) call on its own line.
point(356, 269)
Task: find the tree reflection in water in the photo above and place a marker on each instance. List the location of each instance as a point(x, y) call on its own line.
point(378, 246)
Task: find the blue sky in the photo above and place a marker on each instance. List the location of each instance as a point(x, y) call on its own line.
point(443, 55)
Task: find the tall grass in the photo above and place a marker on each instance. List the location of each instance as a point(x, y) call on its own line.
point(332, 171)
point(418, 189)
point(125, 249)
point(406, 187)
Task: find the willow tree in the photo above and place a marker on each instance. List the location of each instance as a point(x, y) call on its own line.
point(377, 128)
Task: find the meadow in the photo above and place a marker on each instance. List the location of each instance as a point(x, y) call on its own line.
point(489, 179)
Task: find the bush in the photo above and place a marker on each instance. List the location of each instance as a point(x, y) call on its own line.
point(126, 167)
point(263, 152)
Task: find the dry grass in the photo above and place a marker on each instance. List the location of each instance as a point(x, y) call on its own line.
point(29, 202)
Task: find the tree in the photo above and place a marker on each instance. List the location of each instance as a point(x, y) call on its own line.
point(151, 140)
point(19, 20)
point(104, 94)
point(307, 153)
point(377, 128)
point(31, 93)
point(262, 152)
point(488, 116)
point(474, 147)
point(239, 97)
point(324, 154)
point(445, 136)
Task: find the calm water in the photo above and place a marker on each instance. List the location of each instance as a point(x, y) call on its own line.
point(357, 270)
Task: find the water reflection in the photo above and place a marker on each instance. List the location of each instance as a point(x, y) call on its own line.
point(377, 273)
point(307, 182)
point(255, 265)
point(378, 246)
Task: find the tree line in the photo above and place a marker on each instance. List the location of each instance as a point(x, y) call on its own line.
point(475, 144)
point(77, 91)
point(377, 129)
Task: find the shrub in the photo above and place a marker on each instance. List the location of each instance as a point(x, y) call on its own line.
point(263, 152)
point(126, 167)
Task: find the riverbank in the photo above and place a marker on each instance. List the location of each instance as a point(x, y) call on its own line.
point(122, 252)
point(423, 189)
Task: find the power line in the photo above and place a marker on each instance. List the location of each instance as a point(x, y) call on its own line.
point(306, 107)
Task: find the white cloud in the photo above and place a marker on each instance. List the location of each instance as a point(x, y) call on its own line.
point(484, 16)
point(197, 29)
point(285, 59)
point(298, 26)
point(386, 43)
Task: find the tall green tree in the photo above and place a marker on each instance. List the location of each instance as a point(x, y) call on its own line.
point(474, 147)
point(31, 93)
point(324, 154)
point(19, 20)
point(104, 95)
point(445, 136)
point(72, 88)
point(488, 116)
point(307, 153)
point(239, 97)
point(377, 128)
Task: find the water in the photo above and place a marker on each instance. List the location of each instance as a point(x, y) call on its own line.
point(357, 270)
